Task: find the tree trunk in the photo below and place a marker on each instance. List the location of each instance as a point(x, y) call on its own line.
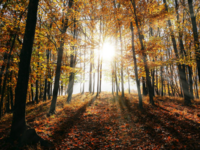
point(156, 81)
point(72, 65)
point(98, 67)
point(90, 78)
point(112, 81)
point(144, 88)
point(195, 35)
point(58, 68)
point(37, 86)
point(3, 68)
point(122, 74)
point(40, 87)
point(18, 120)
point(136, 71)
point(152, 82)
point(11, 92)
point(129, 87)
point(49, 75)
point(84, 66)
point(100, 76)
point(45, 90)
point(83, 91)
point(93, 78)
point(191, 82)
point(161, 76)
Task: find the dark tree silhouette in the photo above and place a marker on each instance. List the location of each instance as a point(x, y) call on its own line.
point(18, 122)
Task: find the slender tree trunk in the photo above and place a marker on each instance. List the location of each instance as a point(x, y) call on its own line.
point(8, 101)
point(152, 83)
point(157, 81)
point(40, 87)
point(37, 86)
point(161, 76)
point(122, 74)
point(98, 67)
point(84, 66)
point(144, 88)
point(72, 65)
point(3, 68)
point(18, 120)
point(117, 88)
point(136, 71)
point(195, 34)
point(100, 76)
point(129, 87)
point(11, 92)
point(58, 68)
point(45, 90)
point(197, 93)
point(45, 82)
point(93, 77)
point(112, 81)
point(49, 75)
point(191, 81)
point(90, 78)
point(141, 38)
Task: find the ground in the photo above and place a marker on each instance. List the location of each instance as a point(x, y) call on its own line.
point(111, 122)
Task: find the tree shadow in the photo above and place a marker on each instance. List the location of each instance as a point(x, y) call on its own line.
point(179, 129)
point(177, 100)
point(154, 136)
point(179, 104)
point(66, 126)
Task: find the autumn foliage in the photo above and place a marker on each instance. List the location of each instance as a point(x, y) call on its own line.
point(48, 47)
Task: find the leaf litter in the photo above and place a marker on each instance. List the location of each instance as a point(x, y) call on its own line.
point(112, 122)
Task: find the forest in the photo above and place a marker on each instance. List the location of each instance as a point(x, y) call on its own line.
point(99, 74)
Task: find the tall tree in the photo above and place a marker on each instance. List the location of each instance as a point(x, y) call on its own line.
point(18, 121)
point(72, 65)
point(141, 39)
point(135, 65)
point(59, 60)
point(195, 34)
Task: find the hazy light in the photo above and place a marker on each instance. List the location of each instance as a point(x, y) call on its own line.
point(108, 51)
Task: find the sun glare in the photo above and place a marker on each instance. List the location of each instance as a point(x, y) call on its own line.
point(108, 51)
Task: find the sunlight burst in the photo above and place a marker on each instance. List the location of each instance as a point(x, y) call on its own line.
point(108, 51)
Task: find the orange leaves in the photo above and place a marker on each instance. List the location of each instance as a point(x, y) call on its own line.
point(80, 126)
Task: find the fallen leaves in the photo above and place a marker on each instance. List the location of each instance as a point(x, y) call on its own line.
point(109, 122)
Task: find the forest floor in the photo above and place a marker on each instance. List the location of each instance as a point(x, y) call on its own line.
point(108, 122)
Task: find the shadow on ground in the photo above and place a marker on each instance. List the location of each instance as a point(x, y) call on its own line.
point(160, 124)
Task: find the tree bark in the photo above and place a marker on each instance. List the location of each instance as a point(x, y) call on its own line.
point(84, 66)
point(100, 76)
point(136, 71)
point(18, 120)
point(49, 75)
point(58, 68)
point(72, 65)
point(141, 38)
point(122, 73)
point(129, 87)
point(195, 35)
